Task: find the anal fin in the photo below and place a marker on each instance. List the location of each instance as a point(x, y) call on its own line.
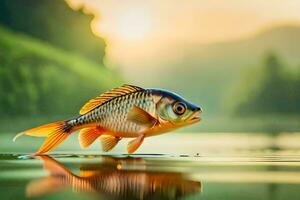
point(133, 145)
point(109, 142)
point(88, 135)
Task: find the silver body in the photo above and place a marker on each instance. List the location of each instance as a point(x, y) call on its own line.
point(112, 115)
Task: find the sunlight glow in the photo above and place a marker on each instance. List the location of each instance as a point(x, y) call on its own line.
point(133, 25)
point(143, 36)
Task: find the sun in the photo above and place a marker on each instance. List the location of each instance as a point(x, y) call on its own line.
point(133, 25)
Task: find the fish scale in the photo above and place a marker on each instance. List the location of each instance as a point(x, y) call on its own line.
point(113, 114)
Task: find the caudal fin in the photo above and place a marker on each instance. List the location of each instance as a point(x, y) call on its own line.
point(55, 132)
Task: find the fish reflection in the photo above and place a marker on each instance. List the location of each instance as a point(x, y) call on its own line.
point(110, 181)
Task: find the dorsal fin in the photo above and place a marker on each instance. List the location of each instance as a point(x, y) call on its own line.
point(103, 98)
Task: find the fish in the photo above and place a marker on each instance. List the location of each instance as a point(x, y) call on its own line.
point(127, 111)
point(111, 180)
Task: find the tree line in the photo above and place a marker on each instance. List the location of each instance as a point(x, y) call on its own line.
point(274, 90)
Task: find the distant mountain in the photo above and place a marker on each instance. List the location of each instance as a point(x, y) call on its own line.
point(284, 40)
point(208, 72)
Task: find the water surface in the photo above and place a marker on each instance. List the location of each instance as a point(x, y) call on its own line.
point(172, 166)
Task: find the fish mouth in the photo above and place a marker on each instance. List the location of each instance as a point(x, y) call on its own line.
point(195, 117)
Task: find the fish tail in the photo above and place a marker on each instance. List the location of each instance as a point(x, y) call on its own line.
point(55, 133)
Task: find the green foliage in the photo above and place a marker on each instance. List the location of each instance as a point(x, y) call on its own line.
point(38, 79)
point(206, 73)
point(55, 22)
point(278, 91)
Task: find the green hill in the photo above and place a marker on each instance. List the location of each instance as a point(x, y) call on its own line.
point(39, 79)
point(218, 68)
point(55, 22)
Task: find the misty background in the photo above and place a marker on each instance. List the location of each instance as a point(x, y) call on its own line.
point(237, 62)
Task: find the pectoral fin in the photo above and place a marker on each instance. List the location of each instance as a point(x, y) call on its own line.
point(133, 145)
point(141, 117)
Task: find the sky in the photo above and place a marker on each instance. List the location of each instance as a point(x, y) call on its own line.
point(191, 20)
point(143, 31)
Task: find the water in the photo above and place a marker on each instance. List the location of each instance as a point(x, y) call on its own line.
point(184, 166)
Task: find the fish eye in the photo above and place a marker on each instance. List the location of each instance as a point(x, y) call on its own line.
point(179, 108)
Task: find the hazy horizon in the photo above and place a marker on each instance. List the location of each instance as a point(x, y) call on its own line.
point(194, 21)
point(153, 34)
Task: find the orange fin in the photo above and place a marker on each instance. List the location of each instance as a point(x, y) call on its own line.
point(52, 141)
point(88, 135)
point(41, 131)
point(133, 145)
point(89, 173)
point(53, 166)
point(103, 98)
point(49, 184)
point(43, 186)
point(55, 132)
point(108, 142)
point(63, 176)
point(141, 117)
